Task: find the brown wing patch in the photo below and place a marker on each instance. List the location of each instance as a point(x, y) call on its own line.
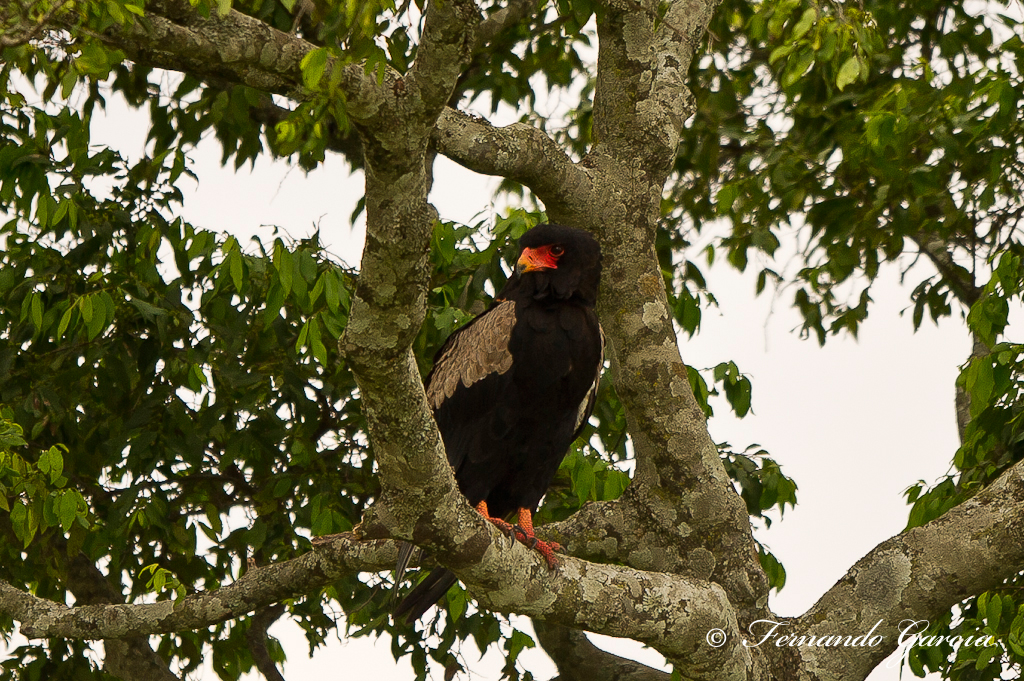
point(587, 405)
point(474, 352)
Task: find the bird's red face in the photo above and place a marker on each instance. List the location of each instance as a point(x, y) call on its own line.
point(540, 258)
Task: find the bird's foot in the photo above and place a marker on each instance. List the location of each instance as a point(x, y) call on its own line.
point(507, 529)
point(544, 548)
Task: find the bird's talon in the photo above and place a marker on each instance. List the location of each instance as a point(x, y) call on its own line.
point(523, 536)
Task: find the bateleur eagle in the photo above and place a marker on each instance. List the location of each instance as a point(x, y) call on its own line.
point(512, 389)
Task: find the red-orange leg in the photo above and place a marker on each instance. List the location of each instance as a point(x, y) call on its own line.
point(544, 548)
point(481, 508)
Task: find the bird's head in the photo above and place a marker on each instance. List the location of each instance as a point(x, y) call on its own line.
point(559, 261)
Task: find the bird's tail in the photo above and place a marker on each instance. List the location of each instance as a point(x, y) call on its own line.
point(405, 551)
point(425, 594)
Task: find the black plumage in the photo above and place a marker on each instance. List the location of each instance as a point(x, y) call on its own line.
point(512, 389)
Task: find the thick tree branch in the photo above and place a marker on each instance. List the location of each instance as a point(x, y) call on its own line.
point(672, 616)
point(578, 659)
point(237, 48)
point(518, 152)
point(917, 575)
point(390, 302)
point(681, 513)
point(449, 34)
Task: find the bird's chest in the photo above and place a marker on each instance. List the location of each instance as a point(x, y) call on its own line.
point(555, 350)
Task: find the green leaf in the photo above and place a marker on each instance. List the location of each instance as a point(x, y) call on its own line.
point(313, 66)
point(235, 268)
point(196, 378)
point(55, 463)
point(93, 61)
point(456, 601)
point(781, 52)
point(283, 262)
point(97, 321)
point(64, 321)
point(37, 311)
point(848, 72)
point(980, 383)
point(583, 479)
point(68, 509)
point(725, 199)
point(993, 612)
point(85, 306)
point(805, 23)
point(147, 310)
point(331, 290)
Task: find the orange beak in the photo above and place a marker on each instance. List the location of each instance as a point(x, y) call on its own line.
point(539, 258)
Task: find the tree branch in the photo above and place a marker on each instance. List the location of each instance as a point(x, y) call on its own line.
point(237, 48)
point(959, 280)
point(131, 659)
point(25, 29)
point(502, 20)
point(518, 152)
point(342, 556)
point(919, 574)
point(446, 46)
point(672, 616)
point(578, 659)
point(681, 513)
point(256, 638)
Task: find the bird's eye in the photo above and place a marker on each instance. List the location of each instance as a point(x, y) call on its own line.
point(557, 251)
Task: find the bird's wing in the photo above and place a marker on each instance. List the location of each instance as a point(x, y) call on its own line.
point(587, 405)
point(476, 350)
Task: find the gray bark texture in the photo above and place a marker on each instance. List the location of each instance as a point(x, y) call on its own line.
point(674, 557)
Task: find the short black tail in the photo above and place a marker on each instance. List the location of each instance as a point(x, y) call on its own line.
point(425, 594)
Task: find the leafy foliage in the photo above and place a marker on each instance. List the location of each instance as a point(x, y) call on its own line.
point(992, 441)
point(877, 128)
